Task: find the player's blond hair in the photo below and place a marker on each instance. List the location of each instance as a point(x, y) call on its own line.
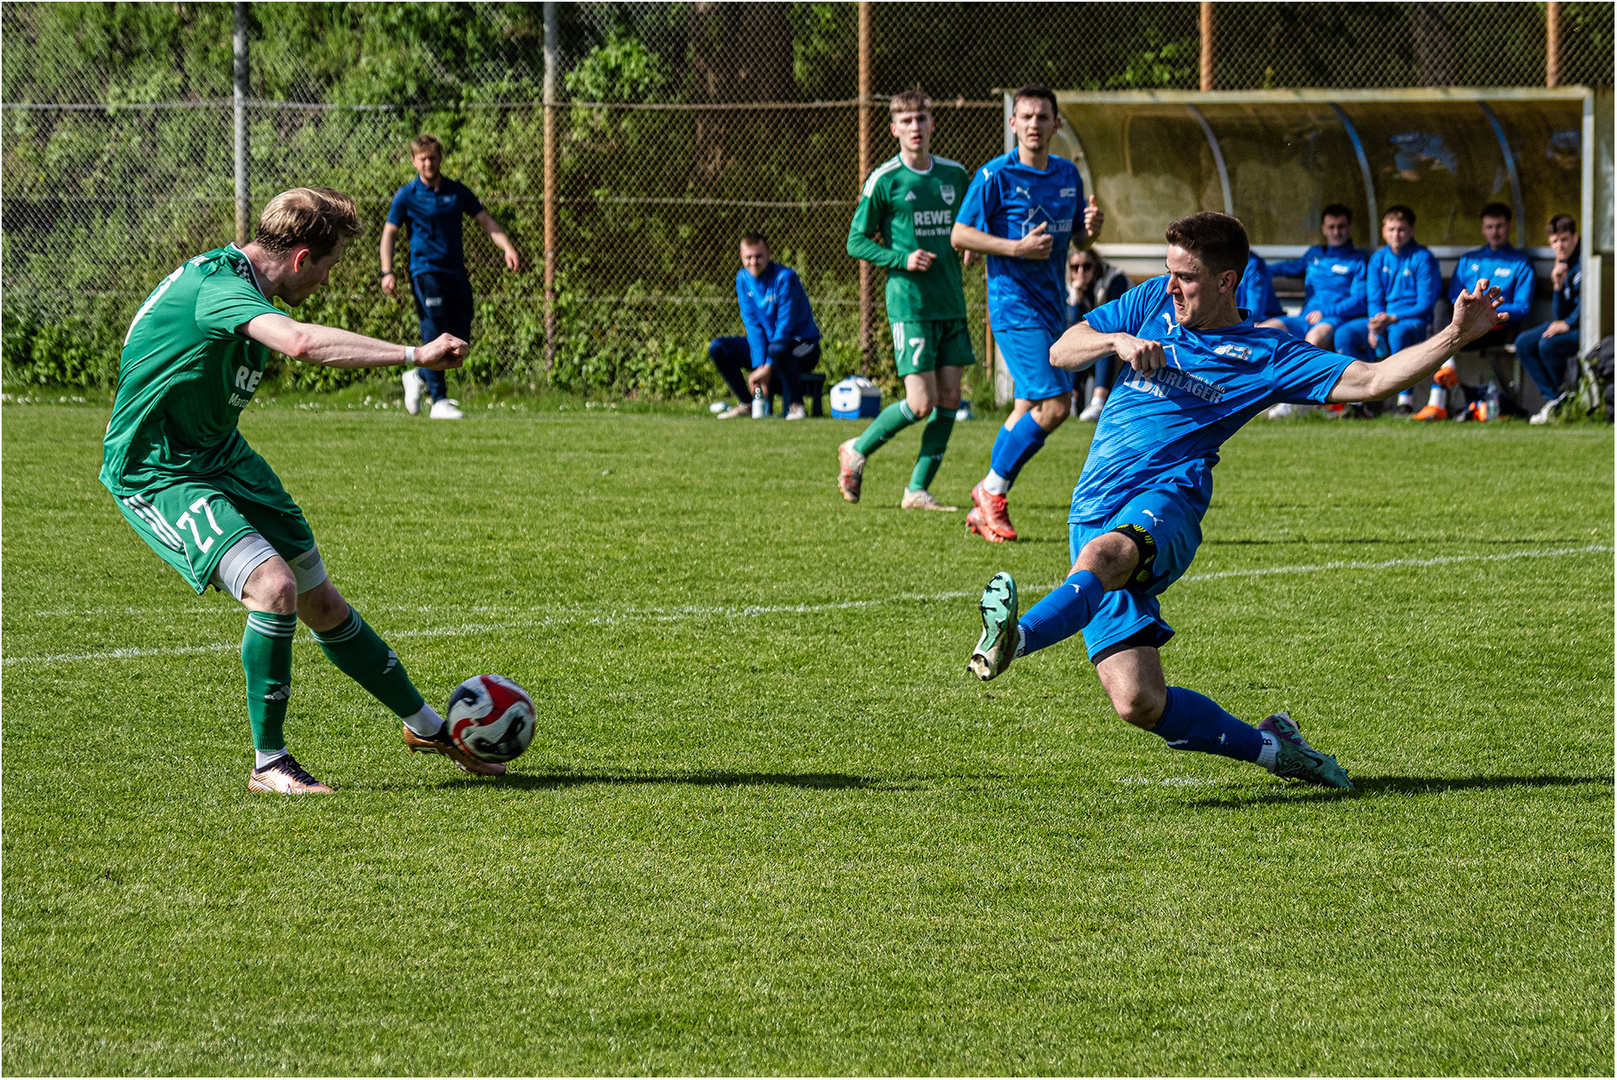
point(912, 100)
point(423, 142)
point(311, 217)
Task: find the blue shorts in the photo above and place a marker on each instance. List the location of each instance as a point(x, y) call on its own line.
point(1027, 354)
point(1174, 525)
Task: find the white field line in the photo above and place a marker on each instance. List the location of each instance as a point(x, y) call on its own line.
point(755, 611)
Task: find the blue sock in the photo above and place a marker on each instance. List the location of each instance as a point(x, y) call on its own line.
point(1066, 610)
point(1192, 722)
point(1013, 448)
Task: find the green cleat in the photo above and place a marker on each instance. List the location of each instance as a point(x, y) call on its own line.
point(997, 647)
point(1296, 760)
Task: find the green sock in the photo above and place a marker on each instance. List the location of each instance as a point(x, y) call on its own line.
point(365, 658)
point(934, 441)
point(266, 657)
point(893, 419)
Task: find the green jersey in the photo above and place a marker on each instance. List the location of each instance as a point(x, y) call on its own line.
point(911, 210)
point(186, 373)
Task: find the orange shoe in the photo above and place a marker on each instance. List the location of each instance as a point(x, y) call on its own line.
point(1447, 376)
point(977, 522)
point(1432, 412)
point(992, 514)
point(440, 744)
point(851, 471)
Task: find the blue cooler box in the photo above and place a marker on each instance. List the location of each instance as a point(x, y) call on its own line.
point(854, 398)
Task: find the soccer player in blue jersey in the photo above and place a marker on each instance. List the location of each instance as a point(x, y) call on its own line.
point(430, 206)
point(782, 341)
point(1200, 370)
point(1019, 211)
point(1403, 285)
point(1508, 268)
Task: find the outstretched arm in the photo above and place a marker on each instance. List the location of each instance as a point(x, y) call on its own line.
point(1475, 313)
point(331, 347)
point(501, 241)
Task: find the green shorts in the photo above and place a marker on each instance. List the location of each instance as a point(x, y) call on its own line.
point(194, 521)
point(929, 345)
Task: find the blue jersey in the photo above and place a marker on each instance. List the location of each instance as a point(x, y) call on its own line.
point(1257, 291)
point(1009, 199)
point(1508, 270)
point(1404, 284)
point(1164, 429)
point(433, 218)
point(774, 308)
point(1333, 280)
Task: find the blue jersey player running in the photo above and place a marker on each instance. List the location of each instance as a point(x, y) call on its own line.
point(1019, 211)
point(1200, 370)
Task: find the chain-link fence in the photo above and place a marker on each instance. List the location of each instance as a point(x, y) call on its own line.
point(679, 127)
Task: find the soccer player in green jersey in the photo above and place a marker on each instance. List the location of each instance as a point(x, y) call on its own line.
point(909, 204)
point(193, 489)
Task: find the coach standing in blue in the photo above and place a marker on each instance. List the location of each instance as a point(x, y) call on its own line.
point(782, 341)
point(1019, 211)
point(432, 205)
point(1197, 371)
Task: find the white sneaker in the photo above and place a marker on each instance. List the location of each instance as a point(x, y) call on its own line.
point(796, 413)
point(1547, 413)
point(739, 409)
point(412, 392)
point(444, 409)
point(1285, 409)
point(924, 500)
point(1091, 411)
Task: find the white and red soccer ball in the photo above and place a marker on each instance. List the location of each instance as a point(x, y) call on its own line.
point(491, 718)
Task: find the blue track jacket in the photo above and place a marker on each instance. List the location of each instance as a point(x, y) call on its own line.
point(1405, 284)
point(1333, 281)
point(1508, 270)
point(774, 308)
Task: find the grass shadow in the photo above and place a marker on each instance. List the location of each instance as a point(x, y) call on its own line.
point(812, 781)
point(1364, 786)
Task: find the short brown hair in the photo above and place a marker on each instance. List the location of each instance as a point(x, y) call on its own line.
point(424, 142)
point(912, 100)
point(1218, 241)
point(754, 239)
point(1402, 213)
point(312, 217)
point(1563, 223)
point(1035, 91)
point(1496, 209)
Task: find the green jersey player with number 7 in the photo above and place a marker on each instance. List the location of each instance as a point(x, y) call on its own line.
point(201, 498)
point(909, 202)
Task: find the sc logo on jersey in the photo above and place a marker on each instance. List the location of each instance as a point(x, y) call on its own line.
point(247, 378)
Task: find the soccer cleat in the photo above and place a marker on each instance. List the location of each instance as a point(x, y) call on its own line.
point(1092, 411)
point(1447, 376)
point(796, 413)
point(440, 744)
point(1296, 760)
point(851, 471)
point(284, 776)
point(1432, 412)
point(740, 408)
point(444, 409)
point(412, 392)
point(992, 514)
point(1001, 635)
point(923, 500)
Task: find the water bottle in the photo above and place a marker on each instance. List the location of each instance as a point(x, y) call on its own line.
point(760, 403)
point(1490, 400)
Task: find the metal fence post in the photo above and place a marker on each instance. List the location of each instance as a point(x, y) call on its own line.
point(867, 359)
point(243, 207)
point(1207, 46)
point(550, 183)
point(1552, 43)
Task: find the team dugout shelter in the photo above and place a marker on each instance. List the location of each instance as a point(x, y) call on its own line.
point(1275, 158)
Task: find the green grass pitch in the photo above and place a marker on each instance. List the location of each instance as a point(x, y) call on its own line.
point(769, 824)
